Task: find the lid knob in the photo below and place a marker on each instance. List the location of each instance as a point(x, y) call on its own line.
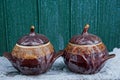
point(85, 30)
point(32, 29)
point(32, 33)
point(33, 38)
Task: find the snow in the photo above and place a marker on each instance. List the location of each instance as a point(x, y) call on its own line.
point(59, 71)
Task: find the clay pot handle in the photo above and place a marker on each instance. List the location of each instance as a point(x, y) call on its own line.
point(32, 29)
point(57, 55)
point(7, 55)
point(109, 56)
point(85, 30)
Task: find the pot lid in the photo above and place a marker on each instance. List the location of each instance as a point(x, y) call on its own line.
point(85, 38)
point(32, 39)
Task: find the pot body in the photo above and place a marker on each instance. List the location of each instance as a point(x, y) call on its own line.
point(32, 60)
point(85, 59)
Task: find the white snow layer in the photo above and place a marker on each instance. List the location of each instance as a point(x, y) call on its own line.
point(111, 71)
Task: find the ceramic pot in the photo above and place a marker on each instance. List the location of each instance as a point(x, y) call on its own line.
point(33, 54)
point(86, 53)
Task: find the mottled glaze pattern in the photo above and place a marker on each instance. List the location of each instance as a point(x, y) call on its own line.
point(32, 39)
point(86, 53)
point(85, 49)
point(85, 38)
point(32, 52)
point(33, 66)
point(87, 59)
point(33, 59)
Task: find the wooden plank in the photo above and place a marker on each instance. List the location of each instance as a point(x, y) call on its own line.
point(83, 12)
point(117, 23)
point(2, 28)
point(108, 29)
point(59, 20)
point(100, 15)
point(118, 3)
point(20, 15)
point(54, 21)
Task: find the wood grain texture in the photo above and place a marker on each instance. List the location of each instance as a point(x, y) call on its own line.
point(117, 23)
point(54, 21)
point(108, 29)
point(83, 12)
point(101, 15)
point(59, 20)
point(20, 16)
point(2, 28)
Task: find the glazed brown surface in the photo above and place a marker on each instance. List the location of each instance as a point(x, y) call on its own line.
point(85, 38)
point(32, 52)
point(32, 39)
point(36, 40)
point(32, 60)
point(86, 53)
point(33, 66)
point(85, 63)
point(86, 59)
point(85, 49)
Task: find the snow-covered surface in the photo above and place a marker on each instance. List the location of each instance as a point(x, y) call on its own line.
point(59, 71)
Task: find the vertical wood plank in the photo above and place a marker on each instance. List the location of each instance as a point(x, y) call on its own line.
point(2, 29)
point(54, 21)
point(83, 12)
point(59, 20)
point(20, 15)
point(101, 17)
point(108, 29)
point(117, 23)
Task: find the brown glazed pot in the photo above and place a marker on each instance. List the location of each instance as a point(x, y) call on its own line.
point(86, 53)
point(33, 54)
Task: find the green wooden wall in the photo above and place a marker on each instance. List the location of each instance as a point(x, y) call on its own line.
point(59, 20)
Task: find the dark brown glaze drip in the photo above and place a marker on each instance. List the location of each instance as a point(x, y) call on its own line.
point(86, 54)
point(86, 63)
point(32, 39)
point(85, 38)
point(30, 57)
point(33, 66)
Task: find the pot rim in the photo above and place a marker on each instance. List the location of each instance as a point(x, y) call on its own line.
point(42, 45)
point(89, 45)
